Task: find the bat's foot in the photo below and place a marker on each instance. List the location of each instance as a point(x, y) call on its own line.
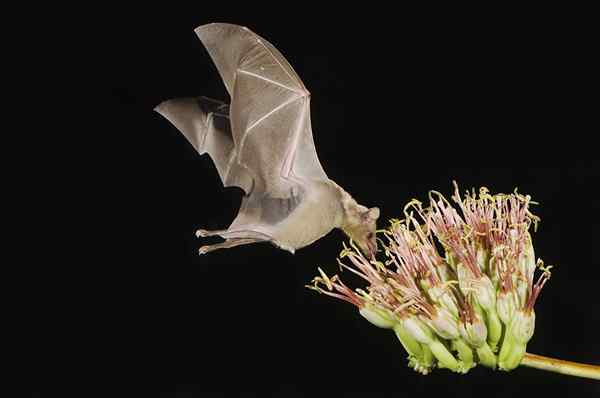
point(205, 249)
point(202, 233)
point(227, 244)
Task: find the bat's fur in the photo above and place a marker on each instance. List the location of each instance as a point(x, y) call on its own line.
point(263, 143)
point(328, 206)
point(359, 223)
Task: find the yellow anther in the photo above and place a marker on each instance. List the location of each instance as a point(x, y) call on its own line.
point(326, 279)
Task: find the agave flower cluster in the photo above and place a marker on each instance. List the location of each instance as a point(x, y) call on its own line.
point(457, 287)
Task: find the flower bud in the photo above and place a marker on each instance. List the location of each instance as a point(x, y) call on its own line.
point(475, 332)
point(445, 358)
point(493, 271)
point(465, 353)
point(443, 297)
point(421, 333)
point(444, 324)
point(483, 256)
point(514, 357)
point(486, 356)
point(378, 316)
point(528, 263)
point(518, 333)
point(464, 278)
point(522, 288)
point(420, 357)
point(418, 330)
point(505, 306)
point(485, 293)
point(522, 326)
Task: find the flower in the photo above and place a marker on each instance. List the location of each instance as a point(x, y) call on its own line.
point(470, 302)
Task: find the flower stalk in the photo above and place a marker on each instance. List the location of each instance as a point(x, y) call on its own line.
point(561, 366)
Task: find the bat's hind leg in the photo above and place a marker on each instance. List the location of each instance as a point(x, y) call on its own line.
point(235, 237)
point(234, 233)
point(227, 244)
point(203, 232)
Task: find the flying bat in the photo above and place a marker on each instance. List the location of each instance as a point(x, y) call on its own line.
point(262, 142)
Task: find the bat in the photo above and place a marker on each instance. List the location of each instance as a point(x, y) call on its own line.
point(262, 142)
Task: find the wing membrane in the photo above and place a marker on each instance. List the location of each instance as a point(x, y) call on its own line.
point(270, 108)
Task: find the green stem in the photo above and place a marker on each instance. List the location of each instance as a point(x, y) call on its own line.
point(444, 357)
point(427, 358)
point(515, 356)
point(561, 366)
point(464, 352)
point(410, 345)
point(486, 356)
point(494, 329)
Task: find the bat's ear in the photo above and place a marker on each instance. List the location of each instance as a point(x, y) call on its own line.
point(373, 213)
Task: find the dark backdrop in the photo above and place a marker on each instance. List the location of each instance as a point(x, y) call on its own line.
point(401, 103)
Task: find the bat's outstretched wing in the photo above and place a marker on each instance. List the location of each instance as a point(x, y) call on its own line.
point(266, 145)
point(269, 111)
point(205, 124)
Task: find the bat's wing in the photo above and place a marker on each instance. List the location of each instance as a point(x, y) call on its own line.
point(267, 147)
point(205, 124)
point(269, 111)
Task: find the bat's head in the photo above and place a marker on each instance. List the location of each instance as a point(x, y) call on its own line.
point(360, 224)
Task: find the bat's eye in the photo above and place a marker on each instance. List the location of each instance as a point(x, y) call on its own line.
point(370, 235)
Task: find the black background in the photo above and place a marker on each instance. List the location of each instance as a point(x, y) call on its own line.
point(401, 104)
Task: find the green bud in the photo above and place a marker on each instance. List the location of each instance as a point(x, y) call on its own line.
point(464, 276)
point(485, 297)
point(378, 316)
point(445, 358)
point(485, 293)
point(518, 333)
point(444, 324)
point(522, 288)
point(493, 272)
point(522, 326)
point(424, 335)
point(465, 353)
point(483, 257)
point(511, 354)
point(420, 357)
point(494, 329)
point(486, 356)
point(482, 288)
point(424, 363)
point(506, 350)
point(412, 346)
point(505, 306)
point(443, 297)
point(528, 264)
point(428, 358)
point(418, 330)
point(515, 357)
point(474, 333)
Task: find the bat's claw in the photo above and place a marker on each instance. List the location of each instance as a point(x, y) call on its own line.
point(203, 250)
point(202, 233)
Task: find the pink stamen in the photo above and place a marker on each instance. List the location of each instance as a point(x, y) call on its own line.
point(536, 289)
